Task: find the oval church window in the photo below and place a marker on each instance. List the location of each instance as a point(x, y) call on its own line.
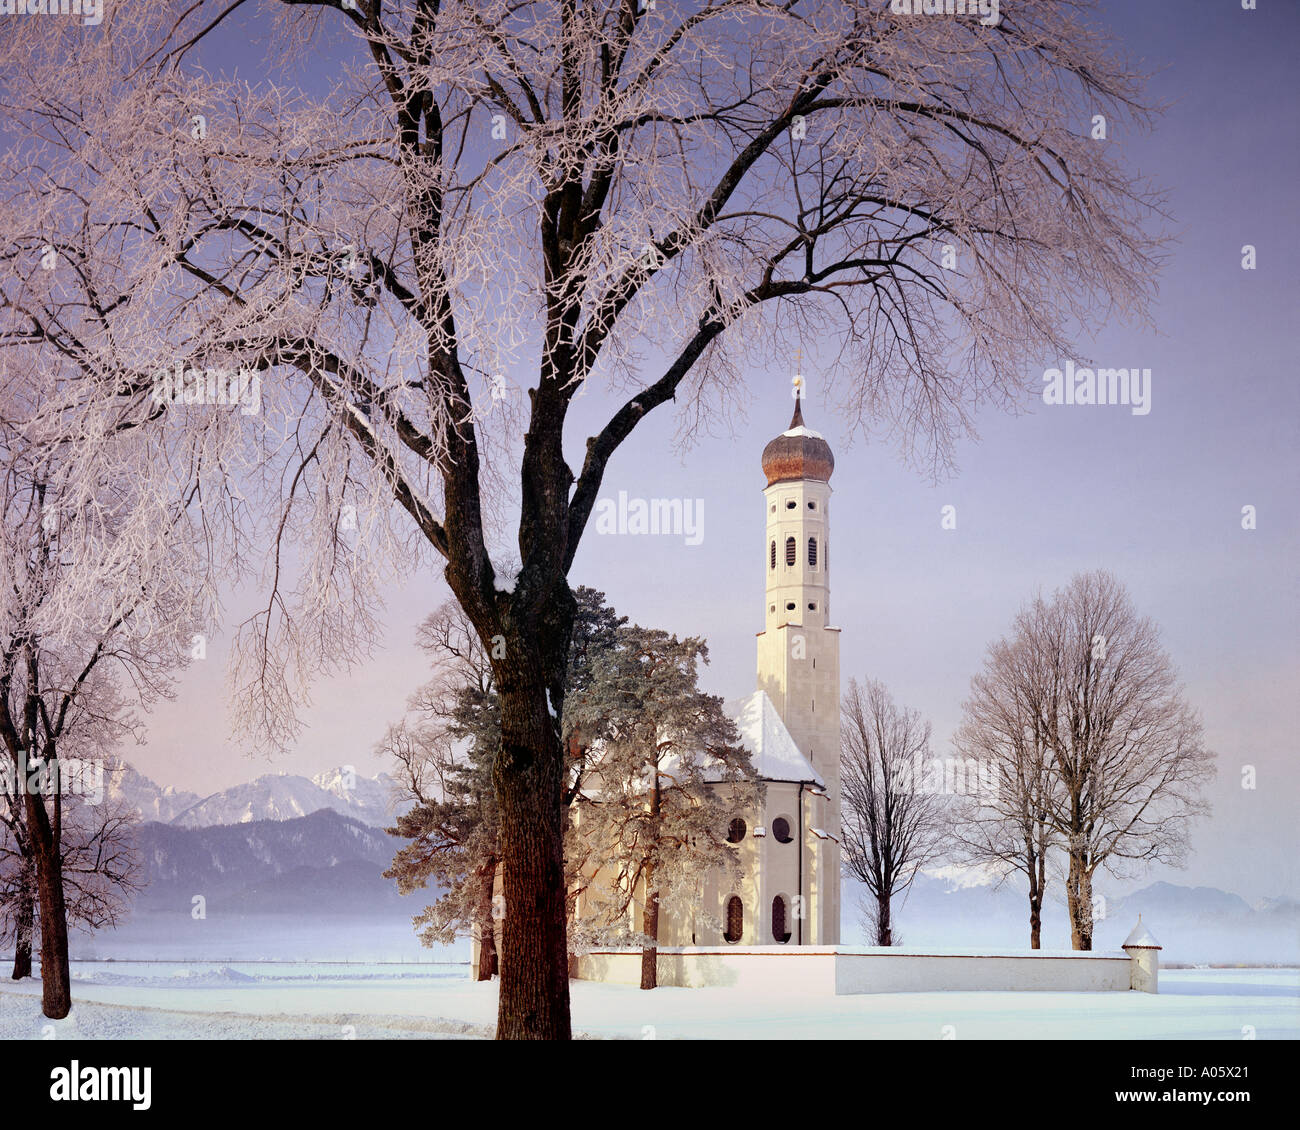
point(779, 931)
point(736, 831)
point(781, 830)
point(735, 919)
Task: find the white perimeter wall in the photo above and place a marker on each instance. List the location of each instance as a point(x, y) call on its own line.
point(841, 970)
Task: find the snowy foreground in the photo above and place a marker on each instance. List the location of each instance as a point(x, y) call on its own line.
point(266, 1000)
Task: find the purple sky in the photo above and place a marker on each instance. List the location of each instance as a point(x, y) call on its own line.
point(1157, 499)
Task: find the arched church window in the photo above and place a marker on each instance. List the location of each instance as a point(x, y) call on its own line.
point(790, 551)
point(735, 920)
point(736, 831)
point(812, 552)
point(781, 830)
point(779, 931)
point(773, 556)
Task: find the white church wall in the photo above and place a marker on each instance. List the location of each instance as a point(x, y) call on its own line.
point(885, 971)
point(840, 970)
point(752, 968)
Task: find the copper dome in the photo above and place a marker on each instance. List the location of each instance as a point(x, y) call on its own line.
point(798, 453)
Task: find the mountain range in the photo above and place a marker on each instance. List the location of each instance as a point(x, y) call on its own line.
point(322, 864)
point(272, 796)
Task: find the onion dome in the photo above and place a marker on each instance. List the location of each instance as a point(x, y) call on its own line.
point(798, 453)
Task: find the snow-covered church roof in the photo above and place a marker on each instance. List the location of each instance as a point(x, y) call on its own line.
point(771, 748)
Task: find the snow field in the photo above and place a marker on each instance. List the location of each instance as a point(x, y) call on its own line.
point(284, 1000)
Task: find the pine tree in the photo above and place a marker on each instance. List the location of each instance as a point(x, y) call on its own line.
point(447, 755)
point(651, 815)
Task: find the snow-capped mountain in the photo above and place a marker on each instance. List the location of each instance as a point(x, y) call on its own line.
point(284, 796)
point(368, 799)
point(273, 796)
point(124, 785)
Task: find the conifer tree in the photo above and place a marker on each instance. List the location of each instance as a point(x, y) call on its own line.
point(446, 754)
point(664, 767)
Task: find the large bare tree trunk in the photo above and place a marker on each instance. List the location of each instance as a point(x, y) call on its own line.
point(56, 980)
point(534, 997)
point(25, 915)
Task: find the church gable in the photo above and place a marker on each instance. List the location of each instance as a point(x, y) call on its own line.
point(773, 751)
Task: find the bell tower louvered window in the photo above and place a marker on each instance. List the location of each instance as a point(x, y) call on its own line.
point(812, 552)
point(791, 552)
point(772, 555)
point(735, 919)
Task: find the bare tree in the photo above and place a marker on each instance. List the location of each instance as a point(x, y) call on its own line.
point(100, 867)
point(892, 825)
point(444, 753)
point(1127, 750)
point(84, 616)
point(1088, 746)
point(17, 881)
point(1006, 823)
point(496, 196)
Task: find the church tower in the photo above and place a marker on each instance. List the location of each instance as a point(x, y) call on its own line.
point(799, 651)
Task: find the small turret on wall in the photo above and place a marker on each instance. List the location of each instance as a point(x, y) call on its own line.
point(1144, 959)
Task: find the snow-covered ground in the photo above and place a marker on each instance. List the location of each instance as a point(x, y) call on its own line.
point(273, 1000)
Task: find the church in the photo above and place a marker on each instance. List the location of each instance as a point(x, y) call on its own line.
point(789, 848)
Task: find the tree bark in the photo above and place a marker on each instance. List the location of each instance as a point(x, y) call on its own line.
point(56, 979)
point(487, 935)
point(650, 926)
point(1037, 883)
point(25, 915)
point(1078, 893)
point(884, 929)
point(534, 995)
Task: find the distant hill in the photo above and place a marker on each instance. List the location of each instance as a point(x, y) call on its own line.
point(320, 864)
